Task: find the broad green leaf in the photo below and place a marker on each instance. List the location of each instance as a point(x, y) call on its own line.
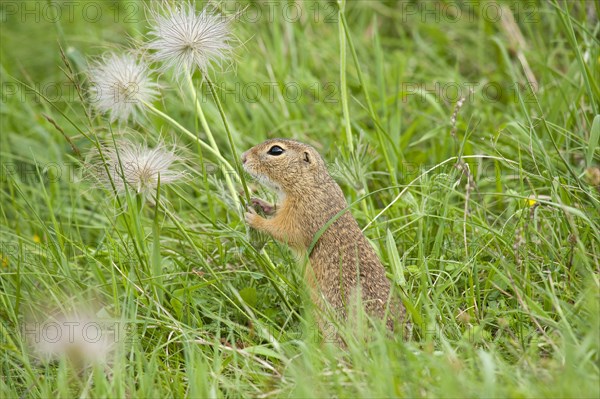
point(395, 261)
point(594, 141)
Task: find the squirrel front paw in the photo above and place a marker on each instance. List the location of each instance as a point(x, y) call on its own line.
point(252, 218)
point(267, 208)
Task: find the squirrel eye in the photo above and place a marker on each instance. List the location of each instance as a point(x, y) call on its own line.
point(275, 150)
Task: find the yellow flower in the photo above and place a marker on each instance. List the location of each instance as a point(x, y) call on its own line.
point(534, 200)
point(36, 239)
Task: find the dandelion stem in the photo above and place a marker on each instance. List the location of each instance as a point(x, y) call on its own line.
point(216, 153)
point(206, 128)
point(343, 85)
point(229, 137)
point(201, 116)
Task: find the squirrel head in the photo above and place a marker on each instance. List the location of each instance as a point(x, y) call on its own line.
point(287, 166)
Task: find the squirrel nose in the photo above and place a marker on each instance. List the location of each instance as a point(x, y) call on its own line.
point(244, 158)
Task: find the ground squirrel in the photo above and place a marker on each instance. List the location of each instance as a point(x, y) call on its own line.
point(342, 259)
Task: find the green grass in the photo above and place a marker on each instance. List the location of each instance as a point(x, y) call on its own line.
point(489, 227)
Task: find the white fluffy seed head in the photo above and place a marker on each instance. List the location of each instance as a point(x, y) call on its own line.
point(184, 39)
point(136, 166)
point(120, 85)
point(81, 338)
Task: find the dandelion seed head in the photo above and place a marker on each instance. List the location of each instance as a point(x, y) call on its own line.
point(184, 39)
point(79, 337)
point(120, 85)
point(136, 167)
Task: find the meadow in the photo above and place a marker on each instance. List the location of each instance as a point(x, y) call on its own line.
point(464, 134)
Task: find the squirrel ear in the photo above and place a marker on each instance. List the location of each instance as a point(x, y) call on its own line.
point(306, 157)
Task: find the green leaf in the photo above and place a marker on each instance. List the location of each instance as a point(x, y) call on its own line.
point(263, 351)
point(177, 307)
point(594, 141)
point(249, 296)
point(395, 260)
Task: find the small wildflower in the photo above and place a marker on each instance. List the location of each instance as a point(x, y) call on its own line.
point(138, 167)
point(120, 85)
point(184, 39)
point(457, 108)
point(36, 239)
point(533, 200)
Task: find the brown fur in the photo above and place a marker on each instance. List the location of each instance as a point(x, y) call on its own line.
point(342, 263)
